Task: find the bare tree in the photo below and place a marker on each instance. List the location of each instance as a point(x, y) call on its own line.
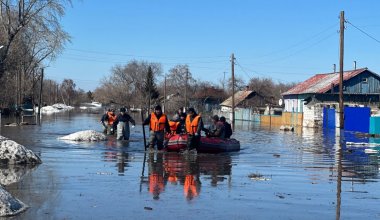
point(33, 23)
point(125, 85)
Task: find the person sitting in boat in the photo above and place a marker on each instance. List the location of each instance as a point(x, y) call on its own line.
point(216, 129)
point(158, 124)
point(194, 126)
point(110, 117)
point(227, 127)
point(121, 124)
point(177, 115)
point(181, 126)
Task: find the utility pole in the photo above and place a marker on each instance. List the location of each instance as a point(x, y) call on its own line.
point(165, 94)
point(40, 100)
point(224, 80)
point(187, 77)
point(233, 90)
point(341, 53)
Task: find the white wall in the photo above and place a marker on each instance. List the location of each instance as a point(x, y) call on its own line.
point(312, 116)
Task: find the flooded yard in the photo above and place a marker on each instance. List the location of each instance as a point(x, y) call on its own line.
point(308, 174)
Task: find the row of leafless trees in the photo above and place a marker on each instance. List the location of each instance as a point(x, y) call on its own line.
point(127, 86)
point(31, 36)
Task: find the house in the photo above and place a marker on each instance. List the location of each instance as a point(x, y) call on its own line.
point(361, 87)
point(248, 105)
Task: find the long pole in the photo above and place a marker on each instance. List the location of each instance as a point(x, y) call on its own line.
point(341, 106)
point(40, 99)
point(143, 129)
point(233, 91)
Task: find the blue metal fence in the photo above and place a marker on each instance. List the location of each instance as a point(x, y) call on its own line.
point(328, 117)
point(357, 119)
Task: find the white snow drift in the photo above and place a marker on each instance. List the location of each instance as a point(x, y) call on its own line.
point(56, 108)
point(88, 135)
point(9, 205)
point(14, 153)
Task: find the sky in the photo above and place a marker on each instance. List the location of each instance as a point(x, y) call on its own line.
point(288, 41)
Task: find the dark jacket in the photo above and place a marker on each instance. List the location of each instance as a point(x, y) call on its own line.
point(181, 128)
point(227, 130)
point(124, 118)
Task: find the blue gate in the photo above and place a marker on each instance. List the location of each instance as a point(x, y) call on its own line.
point(357, 119)
point(328, 117)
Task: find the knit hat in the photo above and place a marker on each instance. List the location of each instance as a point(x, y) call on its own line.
point(123, 110)
point(191, 110)
point(158, 107)
point(215, 117)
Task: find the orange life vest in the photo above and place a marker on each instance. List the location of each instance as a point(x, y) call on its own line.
point(111, 118)
point(157, 124)
point(173, 126)
point(190, 188)
point(192, 126)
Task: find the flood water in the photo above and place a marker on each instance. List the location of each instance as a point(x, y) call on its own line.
point(306, 174)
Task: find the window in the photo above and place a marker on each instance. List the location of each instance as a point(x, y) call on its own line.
point(365, 80)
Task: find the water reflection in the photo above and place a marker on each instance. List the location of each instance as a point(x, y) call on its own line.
point(117, 152)
point(185, 170)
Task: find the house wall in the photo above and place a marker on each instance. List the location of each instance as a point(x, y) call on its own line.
point(363, 83)
point(294, 103)
point(312, 116)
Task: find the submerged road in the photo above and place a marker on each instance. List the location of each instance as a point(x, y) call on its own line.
point(308, 174)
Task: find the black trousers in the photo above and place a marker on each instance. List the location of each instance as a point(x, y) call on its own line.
point(193, 142)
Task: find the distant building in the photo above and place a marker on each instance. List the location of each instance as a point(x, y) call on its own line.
point(361, 87)
point(248, 106)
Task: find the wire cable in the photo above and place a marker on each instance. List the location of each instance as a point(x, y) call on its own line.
point(368, 35)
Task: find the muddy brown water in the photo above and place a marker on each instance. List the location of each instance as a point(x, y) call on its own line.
point(308, 174)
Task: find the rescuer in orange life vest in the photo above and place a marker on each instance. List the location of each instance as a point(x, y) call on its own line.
point(194, 126)
point(158, 124)
point(110, 117)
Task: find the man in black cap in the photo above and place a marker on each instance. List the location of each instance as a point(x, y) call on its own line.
point(121, 124)
point(227, 127)
point(216, 129)
point(158, 124)
point(194, 126)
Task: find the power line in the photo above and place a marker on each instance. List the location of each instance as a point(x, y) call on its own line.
point(142, 56)
point(300, 42)
point(368, 35)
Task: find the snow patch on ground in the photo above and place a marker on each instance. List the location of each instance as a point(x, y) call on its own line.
point(88, 135)
point(56, 108)
point(9, 205)
point(14, 153)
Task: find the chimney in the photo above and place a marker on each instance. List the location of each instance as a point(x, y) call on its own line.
point(334, 67)
point(354, 65)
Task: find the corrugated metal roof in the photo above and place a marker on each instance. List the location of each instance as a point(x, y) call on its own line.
point(239, 97)
point(321, 83)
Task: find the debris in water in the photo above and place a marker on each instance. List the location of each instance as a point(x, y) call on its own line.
point(371, 151)
point(104, 173)
point(258, 177)
point(148, 208)
point(276, 155)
